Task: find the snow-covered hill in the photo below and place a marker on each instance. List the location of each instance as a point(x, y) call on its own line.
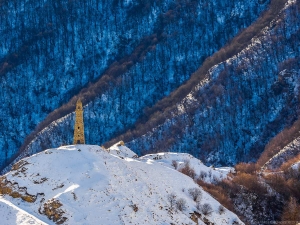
point(85, 184)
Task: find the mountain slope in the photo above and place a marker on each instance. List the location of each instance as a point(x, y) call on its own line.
point(288, 152)
point(51, 50)
point(121, 58)
point(11, 214)
point(85, 184)
point(233, 95)
point(240, 105)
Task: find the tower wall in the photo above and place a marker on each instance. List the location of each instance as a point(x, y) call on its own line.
point(79, 125)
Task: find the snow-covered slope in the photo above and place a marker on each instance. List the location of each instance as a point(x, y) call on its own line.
point(11, 214)
point(119, 149)
point(85, 184)
point(178, 160)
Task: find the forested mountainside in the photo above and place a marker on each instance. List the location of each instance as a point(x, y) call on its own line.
point(119, 56)
point(229, 116)
point(243, 102)
point(52, 49)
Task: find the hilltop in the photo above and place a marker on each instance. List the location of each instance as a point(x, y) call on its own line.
point(87, 184)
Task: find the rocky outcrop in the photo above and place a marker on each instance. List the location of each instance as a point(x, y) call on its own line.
point(13, 190)
point(52, 209)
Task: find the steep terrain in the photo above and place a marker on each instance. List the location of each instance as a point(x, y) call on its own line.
point(50, 50)
point(133, 52)
point(85, 184)
point(242, 102)
point(288, 152)
point(283, 147)
point(230, 115)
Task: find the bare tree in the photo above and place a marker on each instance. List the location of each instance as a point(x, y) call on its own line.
point(172, 200)
point(206, 208)
point(203, 175)
point(181, 204)
point(221, 209)
point(196, 194)
point(291, 211)
point(187, 170)
point(175, 164)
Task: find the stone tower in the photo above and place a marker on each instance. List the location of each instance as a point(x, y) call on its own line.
point(79, 127)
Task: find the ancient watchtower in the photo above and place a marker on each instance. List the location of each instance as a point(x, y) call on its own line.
point(79, 127)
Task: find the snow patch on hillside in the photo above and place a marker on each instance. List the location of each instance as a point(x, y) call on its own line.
point(119, 149)
point(296, 166)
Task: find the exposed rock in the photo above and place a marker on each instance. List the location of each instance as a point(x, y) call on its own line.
point(19, 165)
point(52, 209)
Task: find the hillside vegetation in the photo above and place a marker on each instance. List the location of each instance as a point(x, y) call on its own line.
point(130, 69)
point(240, 105)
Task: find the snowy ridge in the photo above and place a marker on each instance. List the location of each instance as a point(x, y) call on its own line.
point(30, 151)
point(119, 149)
point(288, 152)
point(85, 184)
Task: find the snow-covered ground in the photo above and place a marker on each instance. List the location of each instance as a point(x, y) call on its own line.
point(296, 166)
point(119, 149)
point(85, 184)
point(207, 174)
point(11, 214)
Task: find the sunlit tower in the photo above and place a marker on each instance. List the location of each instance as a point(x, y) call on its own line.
point(79, 126)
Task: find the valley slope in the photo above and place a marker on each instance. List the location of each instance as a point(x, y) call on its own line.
point(121, 57)
point(231, 113)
